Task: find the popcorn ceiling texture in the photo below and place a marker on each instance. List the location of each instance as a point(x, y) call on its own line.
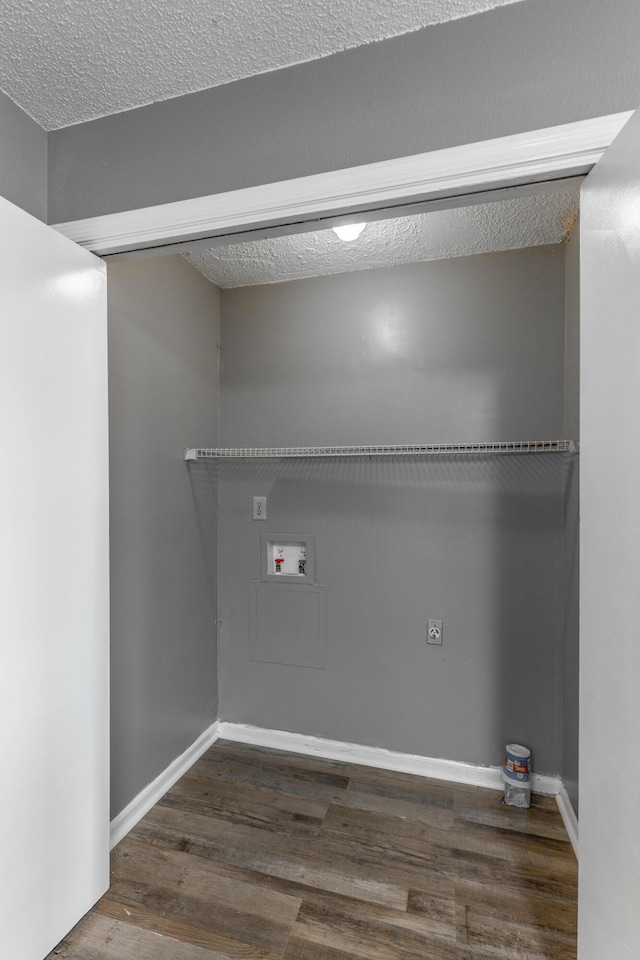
point(484, 228)
point(67, 61)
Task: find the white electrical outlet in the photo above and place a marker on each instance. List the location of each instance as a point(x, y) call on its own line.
point(434, 631)
point(259, 508)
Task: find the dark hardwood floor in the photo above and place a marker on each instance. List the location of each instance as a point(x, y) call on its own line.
point(256, 853)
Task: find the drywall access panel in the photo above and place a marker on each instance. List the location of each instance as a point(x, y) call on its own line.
point(288, 609)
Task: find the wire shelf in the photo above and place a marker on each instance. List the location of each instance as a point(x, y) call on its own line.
point(384, 450)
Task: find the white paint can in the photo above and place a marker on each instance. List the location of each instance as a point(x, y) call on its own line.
point(516, 773)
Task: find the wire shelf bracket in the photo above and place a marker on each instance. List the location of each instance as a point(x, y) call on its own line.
point(384, 450)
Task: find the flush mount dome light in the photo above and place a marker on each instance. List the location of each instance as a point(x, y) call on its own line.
point(349, 231)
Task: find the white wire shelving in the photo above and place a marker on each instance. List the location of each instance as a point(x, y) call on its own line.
point(384, 450)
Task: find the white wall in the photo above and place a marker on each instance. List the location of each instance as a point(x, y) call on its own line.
point(54, 577)
point(609, 918)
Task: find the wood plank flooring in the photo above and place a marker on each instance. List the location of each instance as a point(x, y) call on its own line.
point(257, 853)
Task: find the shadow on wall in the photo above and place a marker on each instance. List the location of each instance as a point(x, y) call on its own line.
point(203, 478)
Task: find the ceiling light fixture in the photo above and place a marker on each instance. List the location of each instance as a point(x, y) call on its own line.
point(349, 231)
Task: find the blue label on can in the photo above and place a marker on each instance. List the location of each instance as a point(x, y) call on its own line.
point(517, 769)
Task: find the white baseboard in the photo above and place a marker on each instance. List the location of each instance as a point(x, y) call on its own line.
point(451, 770)
point(436, 769)
point(147, 798)
point(569, 817)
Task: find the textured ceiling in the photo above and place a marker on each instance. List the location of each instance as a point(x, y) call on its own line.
point(500, 225)
point(67, 61)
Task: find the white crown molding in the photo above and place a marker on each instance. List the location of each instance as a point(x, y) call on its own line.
point(561, 151)
point(147, 798)
point(450, 770)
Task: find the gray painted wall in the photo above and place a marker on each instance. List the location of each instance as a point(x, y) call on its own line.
point(520, 67)
point(609, 920)
point(571, 538)
point(23, 159)
point(163, 362)
point(468, 349)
